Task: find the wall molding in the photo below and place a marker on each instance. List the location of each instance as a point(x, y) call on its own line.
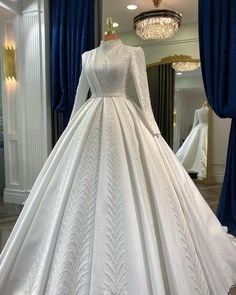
point(13, 6)
point(168, 42)
point(15, 196)
point(31, 12)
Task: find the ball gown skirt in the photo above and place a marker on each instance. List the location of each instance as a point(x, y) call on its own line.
point(113, 212)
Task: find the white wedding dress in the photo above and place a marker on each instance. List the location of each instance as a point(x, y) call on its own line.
point(113, 212)
point(193, 153)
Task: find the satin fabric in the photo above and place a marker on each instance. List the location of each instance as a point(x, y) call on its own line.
point(113, 211)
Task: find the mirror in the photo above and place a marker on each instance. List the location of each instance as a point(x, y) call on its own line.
point(188, 129)
point(192, 125)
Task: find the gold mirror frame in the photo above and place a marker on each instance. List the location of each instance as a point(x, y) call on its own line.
point(183, 58)
point(174, 58)
point(179, 58)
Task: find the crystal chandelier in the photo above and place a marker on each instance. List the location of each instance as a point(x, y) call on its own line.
point(187, 64)
point(157, 24)
point(182, 63)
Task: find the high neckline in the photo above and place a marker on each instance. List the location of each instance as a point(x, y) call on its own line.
point(110, 43)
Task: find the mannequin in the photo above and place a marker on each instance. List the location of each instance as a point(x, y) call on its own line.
point(110, 34)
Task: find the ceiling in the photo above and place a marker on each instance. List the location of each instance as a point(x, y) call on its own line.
point(120, 14)
point(4, 11)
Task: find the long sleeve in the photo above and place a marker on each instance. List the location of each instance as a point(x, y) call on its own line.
point(82, 90)
point(139, 75)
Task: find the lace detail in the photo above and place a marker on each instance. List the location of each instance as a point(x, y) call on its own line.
point(72, 262)
point(115, 273)
point(112, 57)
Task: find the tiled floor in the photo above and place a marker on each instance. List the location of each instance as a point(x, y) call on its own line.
point(9, 212)
point(211, 194)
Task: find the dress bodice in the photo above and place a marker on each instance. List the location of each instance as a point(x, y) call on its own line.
point(110, 64)
point(105, 71)
point(202, 115)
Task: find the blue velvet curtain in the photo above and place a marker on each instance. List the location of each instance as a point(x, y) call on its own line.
point(72, 33)
point(217, 37)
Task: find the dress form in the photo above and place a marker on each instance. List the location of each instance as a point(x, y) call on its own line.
point(110, 34)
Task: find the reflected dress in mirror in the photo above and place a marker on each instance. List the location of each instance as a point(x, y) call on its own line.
point(113, 212)
point(193, 152)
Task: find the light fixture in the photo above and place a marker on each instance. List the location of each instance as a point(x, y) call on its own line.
point(179, 74)
point(182, 63)
point(9, 58)
point(157, 24)
point(186, 66)
point(132, 7)
point(174, 119)
point(115, 25)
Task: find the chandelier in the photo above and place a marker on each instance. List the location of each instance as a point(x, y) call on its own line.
point(157, 24)
point(182, 63)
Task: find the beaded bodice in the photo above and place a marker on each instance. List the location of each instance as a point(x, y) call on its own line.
point(105, 71)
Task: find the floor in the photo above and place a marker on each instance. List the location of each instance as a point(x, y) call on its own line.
point(10, 212)
point(8, 216)
point(211, 194)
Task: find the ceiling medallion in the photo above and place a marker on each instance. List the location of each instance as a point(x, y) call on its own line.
point(157, 24)
point(182, 63)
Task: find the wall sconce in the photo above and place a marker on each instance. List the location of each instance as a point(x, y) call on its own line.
point(174, 119)
point(9, 60)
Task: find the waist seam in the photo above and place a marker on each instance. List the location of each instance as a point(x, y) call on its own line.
point(113, 94)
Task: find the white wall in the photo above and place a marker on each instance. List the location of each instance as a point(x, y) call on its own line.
point(220, 137)
point(186, 42)
point(26, 102)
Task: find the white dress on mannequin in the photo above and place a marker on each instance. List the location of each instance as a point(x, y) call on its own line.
point(193, 152)
point(113, 212)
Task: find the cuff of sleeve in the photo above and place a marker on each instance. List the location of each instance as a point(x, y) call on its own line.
point(155, 130)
